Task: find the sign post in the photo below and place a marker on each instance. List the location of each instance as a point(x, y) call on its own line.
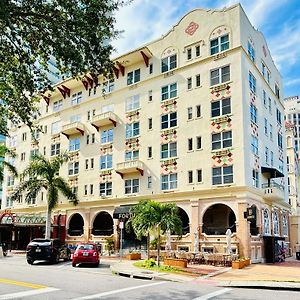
point(121, 226)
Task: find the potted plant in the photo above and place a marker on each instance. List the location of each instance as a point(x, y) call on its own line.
point(247, 261)
point(133, 256)
point(238, 264)
point(110, 245)
point(176, 262)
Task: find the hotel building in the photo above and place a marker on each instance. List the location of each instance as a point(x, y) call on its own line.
point(194, 117)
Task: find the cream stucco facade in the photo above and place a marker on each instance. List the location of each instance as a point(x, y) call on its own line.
point(202, 125)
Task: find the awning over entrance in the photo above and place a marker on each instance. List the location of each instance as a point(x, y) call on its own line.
point(273, 173)
point(122, 212)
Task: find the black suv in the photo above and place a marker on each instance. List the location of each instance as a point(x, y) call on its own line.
point(47, 249)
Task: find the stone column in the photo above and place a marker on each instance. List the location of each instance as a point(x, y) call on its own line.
point(194, 222)
point(86, 228)
point(116, 234)
point(243, 230)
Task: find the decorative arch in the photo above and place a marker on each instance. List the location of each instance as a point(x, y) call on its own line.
point(266, 222)
point(103, 224)
point(220, 31)
point(76, 225)
point(217, 219)
point(185, 220)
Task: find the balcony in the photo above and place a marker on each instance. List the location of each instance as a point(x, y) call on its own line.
point(131, 166)
point(273, 191)
point(103, 119)
point(72, 128)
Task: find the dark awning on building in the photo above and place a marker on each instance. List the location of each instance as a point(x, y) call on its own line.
point(122, 212)
point(274, 173)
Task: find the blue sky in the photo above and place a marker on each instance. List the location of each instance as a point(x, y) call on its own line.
point(279, 20)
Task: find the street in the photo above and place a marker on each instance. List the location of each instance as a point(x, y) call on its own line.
point(18, 280)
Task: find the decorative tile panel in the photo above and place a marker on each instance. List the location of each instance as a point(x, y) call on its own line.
point(74, 156)
point(105, 176)
point(106, 149)
point(168, 166)
point(55, 138)
point(168, 136)
point(253, 98)
point(222, 160)
point(132, 116)
point(192, 28)
point(73, 182)
point(221, 126)
point(132, 144)
point(168, 106)
point(221, 30)
point(220, 92)
point(254, 129)
point(255, 163)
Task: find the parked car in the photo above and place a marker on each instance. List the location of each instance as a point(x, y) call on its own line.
point(47, 249)
point(86, 253)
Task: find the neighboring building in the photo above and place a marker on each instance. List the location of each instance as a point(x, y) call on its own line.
point(195, 118)
point(2, 141)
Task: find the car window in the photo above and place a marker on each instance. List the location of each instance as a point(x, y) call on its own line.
point(86, 247)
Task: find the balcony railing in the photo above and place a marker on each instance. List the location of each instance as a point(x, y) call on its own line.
point(273, 191)
point(104, 119)
point(72, 128)
point(131, 166)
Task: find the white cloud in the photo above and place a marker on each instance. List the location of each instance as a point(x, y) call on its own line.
point(292, 82)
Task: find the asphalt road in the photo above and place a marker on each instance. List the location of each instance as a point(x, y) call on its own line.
point(18, 280)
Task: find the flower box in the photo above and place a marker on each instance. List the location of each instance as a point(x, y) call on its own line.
point(133, 256)
point(247, 262)
point(176, 262)
point(238, 264)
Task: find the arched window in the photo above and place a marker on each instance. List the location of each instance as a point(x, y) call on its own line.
point(219, 40)
point(275, 223)
point(266, 222)
point(285, 225)
point(76, 225)
point(103, 224)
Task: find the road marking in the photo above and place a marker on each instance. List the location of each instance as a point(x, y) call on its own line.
point(21, 283)
point(27, 293)
point(214, 294)
point(119, 291)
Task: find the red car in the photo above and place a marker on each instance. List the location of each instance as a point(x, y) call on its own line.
point(86, 253)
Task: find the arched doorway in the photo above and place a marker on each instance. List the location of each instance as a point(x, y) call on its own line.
point(217, 219)
point(76, 225)
point(103, 224)
point(185, 220)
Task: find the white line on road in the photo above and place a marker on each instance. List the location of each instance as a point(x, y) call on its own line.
point(27, 293)
point(119, 291)
point(214, 294)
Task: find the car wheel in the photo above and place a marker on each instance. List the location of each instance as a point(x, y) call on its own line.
point(96, 264)
point(55, 259)
point(73, 265)
point(29, 261)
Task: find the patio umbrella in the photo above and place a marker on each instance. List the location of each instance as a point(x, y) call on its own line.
point(228, 241)
point(168, 240)
point(196, 244)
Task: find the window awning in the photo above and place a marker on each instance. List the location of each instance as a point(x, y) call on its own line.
point(122, 212)
point(274, 173)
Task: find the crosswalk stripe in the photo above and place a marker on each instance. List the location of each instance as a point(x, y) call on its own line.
point(27, 293)
point(213, 294)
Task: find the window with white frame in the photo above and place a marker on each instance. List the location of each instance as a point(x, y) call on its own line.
point(132, 155)
point(199, 142)
point(219, 75)
point(10, 180)
point(190, 176)
point(255, 178)
point(76, 98)
point(222, 140)
point(266, 222)
point(199, 175)
point(270, 106)
point(189, 83)
point(74, 144)
point(219, 44)
point(197, 50)
point(133, 77)
point(271, 131)
point(106, 162)
point(198, 111)
point(12, 141)
point(108, 86)
point(189, 113)
point(252, 83)
point(168, 91)
point(263, 70)
point(268, 76)
point(254, 144)
point(168, 63)
point(56, 127)
point(132, 130)
point(221, 107)
point(105, 189)
point(168, 150)
point(107, 136)
point(251, 52)
point(169, 182)
point(189, 53)
point(35, 134)
point(275, 223)
point(265, 126)
point(265, 98)
point(149, 182)
point(253, 113)
point(73, 168)
point(272, 158)
point(169, 120)
point(57, 105)
point(280, 164)
point(222, 175)
point(279, 139)
point(198, 80)
point(266, 155)
point(55, 149)
point(285, 229)
point(75, 118)
point(279, 116)
point(277, 90)
point(132, 103)
point(132, 186)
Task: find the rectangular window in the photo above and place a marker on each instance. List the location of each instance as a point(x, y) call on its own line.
point(86, 164)
point(253, 113)
point(12, 141)
point(198, 81)
point(92, 163)
point(106, 162)
point(279, 117)
point(198, 111)
point(151, 68)
point(168, 63)
point(189, 83)
point(132, 155)
point(219, 75)
point(271, 132)
point(190, 176)
point(150, 97)
point(190, 144)
point(199, 142)
point(272, 158)
point(107, 136)
point(93, 138)
point(132, 103)
point(265, 98)
point(169, 91)
point(73, 168)
point(75, 118)
point(263, 70)
point(254, 145)
point(268, 76)
point(150, 152)
point(132, 186)
point(266, 155)
point(190, 113)
point(10, 180)
point(277, 91)
point(255, 178)
point(252, 83)
point(89, 115)
point(251, 52)
point(197, 50)
point(55, 149)
point(219, 44)
point(74, 144)
point(133, 77)
point(91, 189)
point(221, 140)
point(87, 139)
point(189, 53)
point(85, 189)
point(132, 130)
point(266, 126)
point(270, 106)
point(105, 189)
point(56, 127)
point(76, 98)
point(169, 120)
point(169, 182)
point(149, 182)
point(168, 150)
point(199, 175)
point(150, 123)
point(24, 136)
point(34, 153)
point(108, 86)
point(57, 105)
point(222, 175)
point(279, 140)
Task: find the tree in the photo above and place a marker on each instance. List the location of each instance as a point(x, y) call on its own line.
point(44, 174)
point(5, 164)
point(149, 215)
point(76, 33)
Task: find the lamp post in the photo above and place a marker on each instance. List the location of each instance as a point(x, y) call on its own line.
point(121, 226)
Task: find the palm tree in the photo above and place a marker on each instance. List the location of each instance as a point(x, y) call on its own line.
point(43, 173)
point(5, 164)
point(158, 217)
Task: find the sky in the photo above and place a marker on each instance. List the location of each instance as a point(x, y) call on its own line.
point(279, 20)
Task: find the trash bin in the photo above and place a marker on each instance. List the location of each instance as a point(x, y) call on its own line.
point(298, 255)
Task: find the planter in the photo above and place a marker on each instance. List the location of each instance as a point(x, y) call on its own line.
point(247, 262)
point(133, 256)
point(176, 262)
point(238, 264)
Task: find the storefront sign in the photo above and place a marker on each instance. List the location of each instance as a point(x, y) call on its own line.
point(251, 213)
